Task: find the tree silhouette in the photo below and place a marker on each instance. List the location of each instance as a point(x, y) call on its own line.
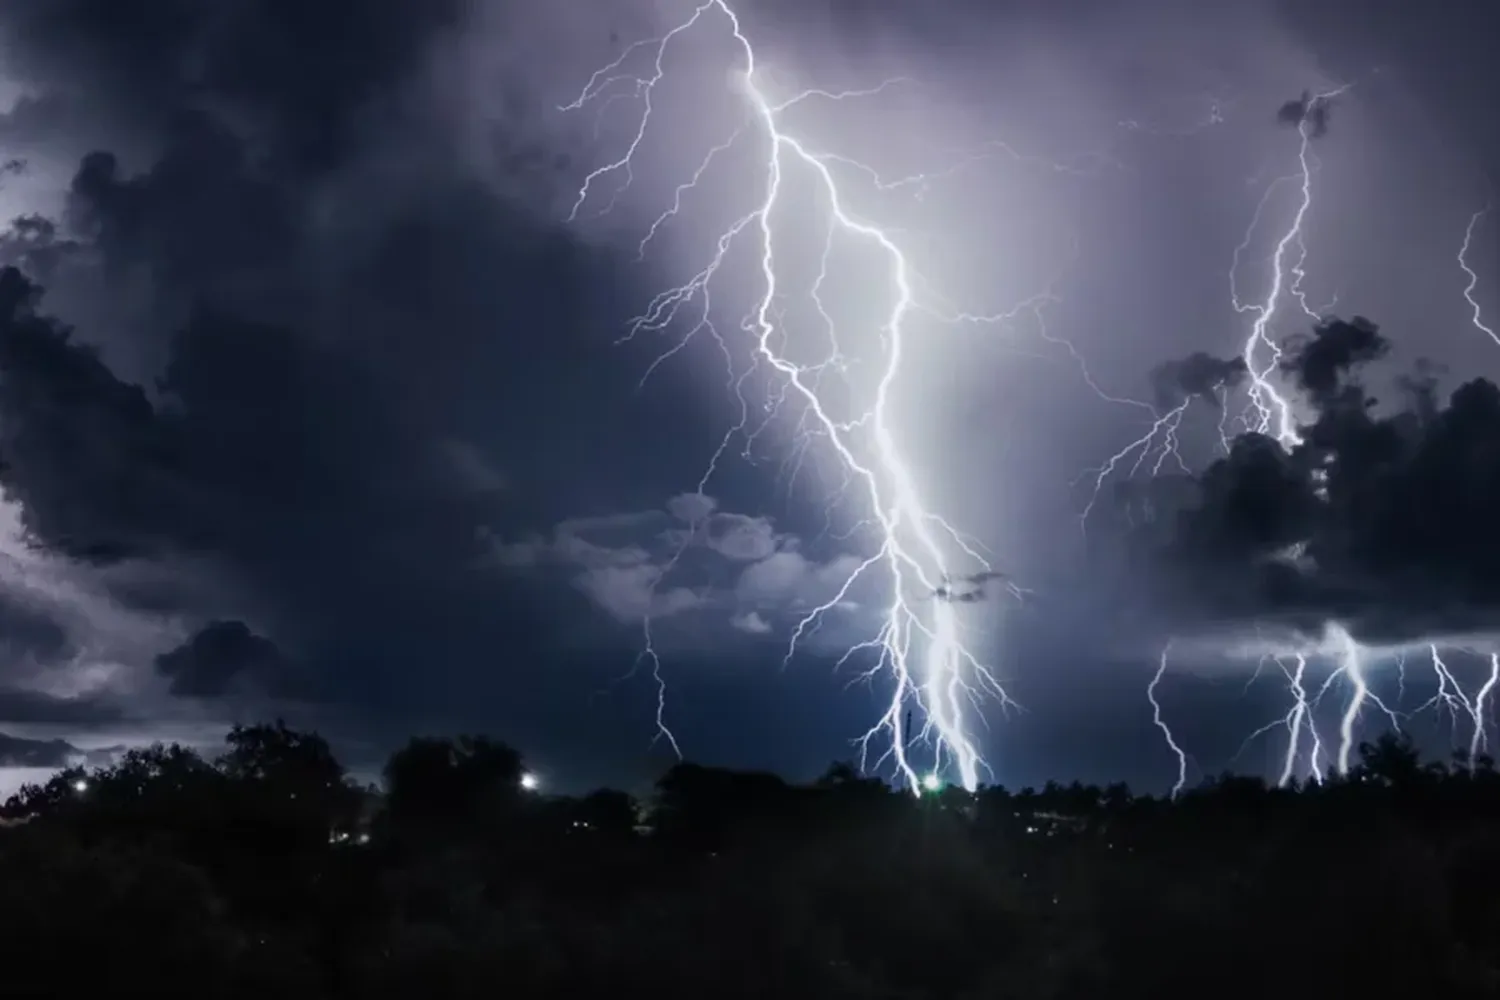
point(290, 784)
point(235, 875)
point(464, 782)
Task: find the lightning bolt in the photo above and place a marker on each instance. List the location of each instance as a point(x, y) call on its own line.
point(1351, 658)
point(1270, 411)
point(1166, 730)
point(919, 643)
point(1450, 695)
point(1463, 262)
point(1351, 661)
point(1155, 447)
point(1297, 720)
point(1479, 742)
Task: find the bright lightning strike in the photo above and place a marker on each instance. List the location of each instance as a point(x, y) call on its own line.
point(918, 554)
point(1166, 730)
point(1272, 413)
point(1349, 664)
point(1450, 695)
point(1157, 446)
point(1463, 263)
point(1269, 412)
point(1298, 720)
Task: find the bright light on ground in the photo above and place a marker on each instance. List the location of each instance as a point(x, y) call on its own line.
point(80, 785)
point(932, 782)
point(530, 782)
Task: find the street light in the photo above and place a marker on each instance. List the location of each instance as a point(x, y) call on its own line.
point(80, 786)
point(530, 782)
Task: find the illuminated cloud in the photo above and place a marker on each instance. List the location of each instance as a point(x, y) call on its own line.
point(346, 343)
point(688, 559)
point(1380, 520)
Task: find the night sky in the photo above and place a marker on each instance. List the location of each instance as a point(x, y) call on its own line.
point(320, 398)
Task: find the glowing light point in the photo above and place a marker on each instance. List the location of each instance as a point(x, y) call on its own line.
point(80, 786)
point(530, 782)
point(932, 783)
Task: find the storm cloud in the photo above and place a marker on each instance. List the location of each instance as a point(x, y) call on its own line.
point(1197, 376)
point(223, 655)
point(217, 357)
point(309, 394)
point(1382, 521)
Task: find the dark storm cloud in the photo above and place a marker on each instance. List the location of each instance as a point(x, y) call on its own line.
point(279, 458)
point(29, 633)
point(1322, 362)
point(197, 218)
point(34, 244)
point(326, 324)
point(1308, 110)
point(1197, 376)
point(18, 752)
point(229, 140)
point(294, 74)
point(24, 707)
point(1386, 523)
point(28, 121)
point(234, 119)
point(80, 447)
point(225, 655)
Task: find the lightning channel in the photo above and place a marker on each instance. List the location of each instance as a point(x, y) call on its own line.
point(1477, 317)
point(916, 555)
point(1479, 742)
point(1269, 411)
point(1450, 695)
point(1349, 664)
point(1298, 719)
point(1166, 731)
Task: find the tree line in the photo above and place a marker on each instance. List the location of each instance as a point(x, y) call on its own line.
point(267, 868)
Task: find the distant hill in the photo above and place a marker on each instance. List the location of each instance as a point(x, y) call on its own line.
point(18, 752)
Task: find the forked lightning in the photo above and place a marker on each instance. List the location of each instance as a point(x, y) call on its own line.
point(917, 554)
point(1269, 412)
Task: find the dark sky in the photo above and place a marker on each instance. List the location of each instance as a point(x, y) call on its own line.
point(316, 396)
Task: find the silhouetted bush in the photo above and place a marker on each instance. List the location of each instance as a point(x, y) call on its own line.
point(267, 871)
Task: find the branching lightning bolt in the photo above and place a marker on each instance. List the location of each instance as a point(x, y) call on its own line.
point(918, 644)
point(1351, 662)
point(1450, 695)
point(1269, 412)
point(1272, 414)
point(1298, 720)
point(1463, 262)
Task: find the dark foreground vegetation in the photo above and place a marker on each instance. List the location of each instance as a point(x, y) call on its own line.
point(268, 873)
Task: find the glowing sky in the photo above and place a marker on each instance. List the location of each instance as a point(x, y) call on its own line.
point(440, 495)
